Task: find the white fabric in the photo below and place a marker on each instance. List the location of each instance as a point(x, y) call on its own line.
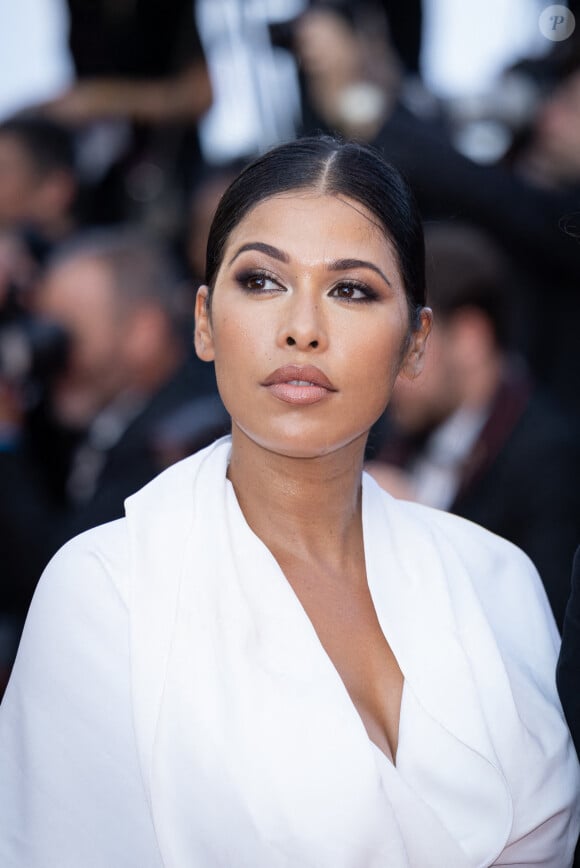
point(463, 50)
point(171, 704)
point(256, 94)
point(36, 61)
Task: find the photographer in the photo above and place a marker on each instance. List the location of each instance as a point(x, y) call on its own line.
point(71, 460)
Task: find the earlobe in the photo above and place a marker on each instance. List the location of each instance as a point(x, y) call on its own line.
point(203, 335)
point(415, 355)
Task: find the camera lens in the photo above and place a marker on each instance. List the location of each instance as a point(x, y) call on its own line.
point(32, 348)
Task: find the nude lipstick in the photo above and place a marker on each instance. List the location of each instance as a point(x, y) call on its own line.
point(299, 384)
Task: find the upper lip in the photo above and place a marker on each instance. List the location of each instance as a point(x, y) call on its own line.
point(305, 373)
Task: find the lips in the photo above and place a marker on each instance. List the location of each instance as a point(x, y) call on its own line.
point(298, 384)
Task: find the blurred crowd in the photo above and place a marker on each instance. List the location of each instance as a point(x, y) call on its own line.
point(108, 183)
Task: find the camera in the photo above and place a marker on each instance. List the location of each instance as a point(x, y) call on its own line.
point(31, 348)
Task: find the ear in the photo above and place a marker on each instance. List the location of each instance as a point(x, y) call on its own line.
point(415, 355)
point(203, 333)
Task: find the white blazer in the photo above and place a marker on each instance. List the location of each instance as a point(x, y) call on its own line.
point(171, 704)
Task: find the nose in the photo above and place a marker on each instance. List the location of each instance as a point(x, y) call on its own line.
point(302, 325)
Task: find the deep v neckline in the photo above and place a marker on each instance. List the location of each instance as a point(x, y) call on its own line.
point(402, 734)
point(238, 712)
point(308, 627)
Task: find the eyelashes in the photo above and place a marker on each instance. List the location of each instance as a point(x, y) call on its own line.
point(261, 282)
point(258, 281)
point(353, 291)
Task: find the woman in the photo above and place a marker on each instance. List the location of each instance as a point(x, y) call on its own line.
point(268, 663)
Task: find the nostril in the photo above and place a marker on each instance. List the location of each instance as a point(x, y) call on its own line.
point(314, 344)
point(290, 341)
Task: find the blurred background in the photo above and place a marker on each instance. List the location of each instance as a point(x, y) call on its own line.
point(122, 122)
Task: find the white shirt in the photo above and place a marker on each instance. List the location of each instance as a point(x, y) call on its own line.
point(436, 473)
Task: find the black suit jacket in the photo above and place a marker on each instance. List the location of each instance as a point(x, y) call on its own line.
point(34, 524)
point(568, 671)
point(520, 480)
point(523, 483)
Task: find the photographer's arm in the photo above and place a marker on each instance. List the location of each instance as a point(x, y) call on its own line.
point(183, 97)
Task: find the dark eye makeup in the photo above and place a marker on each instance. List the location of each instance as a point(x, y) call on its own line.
point(258, 281)
point(353, 291)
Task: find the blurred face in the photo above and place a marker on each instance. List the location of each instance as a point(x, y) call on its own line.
point(17, 181)
point(308, 324)
point(79, 295)
point(558, 129)
point(421, 404)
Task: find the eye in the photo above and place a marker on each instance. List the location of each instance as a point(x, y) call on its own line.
point(257, 281)
point(353, 291)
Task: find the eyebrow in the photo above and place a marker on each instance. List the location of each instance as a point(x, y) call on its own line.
point(336, 265)
point(268, 249)
point(345, 264)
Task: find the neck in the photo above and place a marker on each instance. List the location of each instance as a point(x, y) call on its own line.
point(307, 507)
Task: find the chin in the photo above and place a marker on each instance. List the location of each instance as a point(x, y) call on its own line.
point(304, 444)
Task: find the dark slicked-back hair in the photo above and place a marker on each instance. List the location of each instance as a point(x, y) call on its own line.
point(329, 166)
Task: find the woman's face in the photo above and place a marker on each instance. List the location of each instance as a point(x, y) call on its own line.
point(308, 325)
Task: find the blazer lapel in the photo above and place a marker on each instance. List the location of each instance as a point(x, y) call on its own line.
point(413, 573)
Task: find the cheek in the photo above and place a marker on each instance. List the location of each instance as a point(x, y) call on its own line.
point(239, 339)
point(376, 357)
point(373, 367)
point(236, 351)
